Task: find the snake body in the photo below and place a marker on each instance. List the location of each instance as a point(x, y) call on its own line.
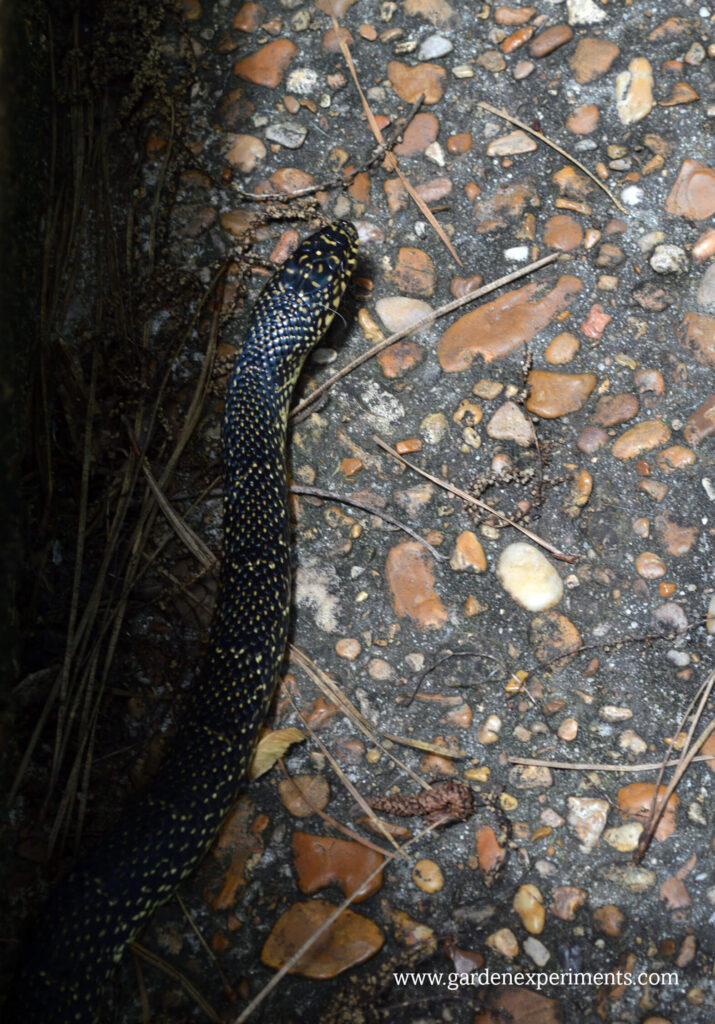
point(104, 901)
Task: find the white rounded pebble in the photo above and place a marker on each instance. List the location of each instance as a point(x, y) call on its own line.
point(433, 47)
point(584, 12)
point(519, 254)
point(669, 259)
point(632, 195)
point(529, 578)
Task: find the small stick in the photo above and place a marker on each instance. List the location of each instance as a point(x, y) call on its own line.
point(470, 499)
point(537, 135)
point(582, 766)
point(419, 325)
point(318, 492)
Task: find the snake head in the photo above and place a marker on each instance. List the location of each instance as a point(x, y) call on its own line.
point(319, 269)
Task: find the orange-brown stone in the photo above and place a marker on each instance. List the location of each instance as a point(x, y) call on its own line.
point(563, 233)
point(414, 272)
point(697, 334)
point(636, 800)
point(420, 133)
point(322, 860)
point(409, 83)
point(553, 636)
point(411, 581)
point(557, 394)
point(267, 65)
point(350, 940)
point(693, 194)
point(592, 58)
point(501, 326)
point(583, 119)
point(641, 438)
point(248, 17)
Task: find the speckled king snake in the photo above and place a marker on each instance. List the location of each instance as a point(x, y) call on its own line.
point(103, 902)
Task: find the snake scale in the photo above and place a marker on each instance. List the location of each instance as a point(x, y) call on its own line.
point(100, 906)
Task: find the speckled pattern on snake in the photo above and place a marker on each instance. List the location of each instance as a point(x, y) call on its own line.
point(104, 901)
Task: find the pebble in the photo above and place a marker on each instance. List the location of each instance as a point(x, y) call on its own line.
point(504, 942)
point(650, 565)
point(549, 40)
point(634, 91)
point(348, 648)
point(411, 582)
point(680, 93)
point(624, 837)
point(302, 81)
point(468, 553)
point(609, 920)
point(563, 233)
point(706, 290)
point(529, 578)
point(509, 145)
point(433, 427)
point(583, 119)
point(489, 732)
point(567, 901)
point(287, 133)
point(612, 410)
point(697, 334)
point(419, 134)
point(529, 905)
point(248, 17)
point(398, 312)
point(552, 395)
point(315, 788)
point(490, 855)
point(592, 58)
point(641, 438)
point(413, 273)
point(537, 951)
point(675, 534)
point(428, 876)
point(510, 424)
point(587, 818)
point(562, 349)
point(267, 65)
point(614, 713)
point(671, 617)
point(635, 801)
point(693, 193)
point(434, 47)
point(409, 83)
point(591, 439)
point(246, 152)
point(631, 878)
point(322, 860)
point(502, 325)
point(669, 259)
point(585, 12)
point(704, 247)
point(553, 635)
point(351, 940)
point(711, 616)
point(701, 424)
